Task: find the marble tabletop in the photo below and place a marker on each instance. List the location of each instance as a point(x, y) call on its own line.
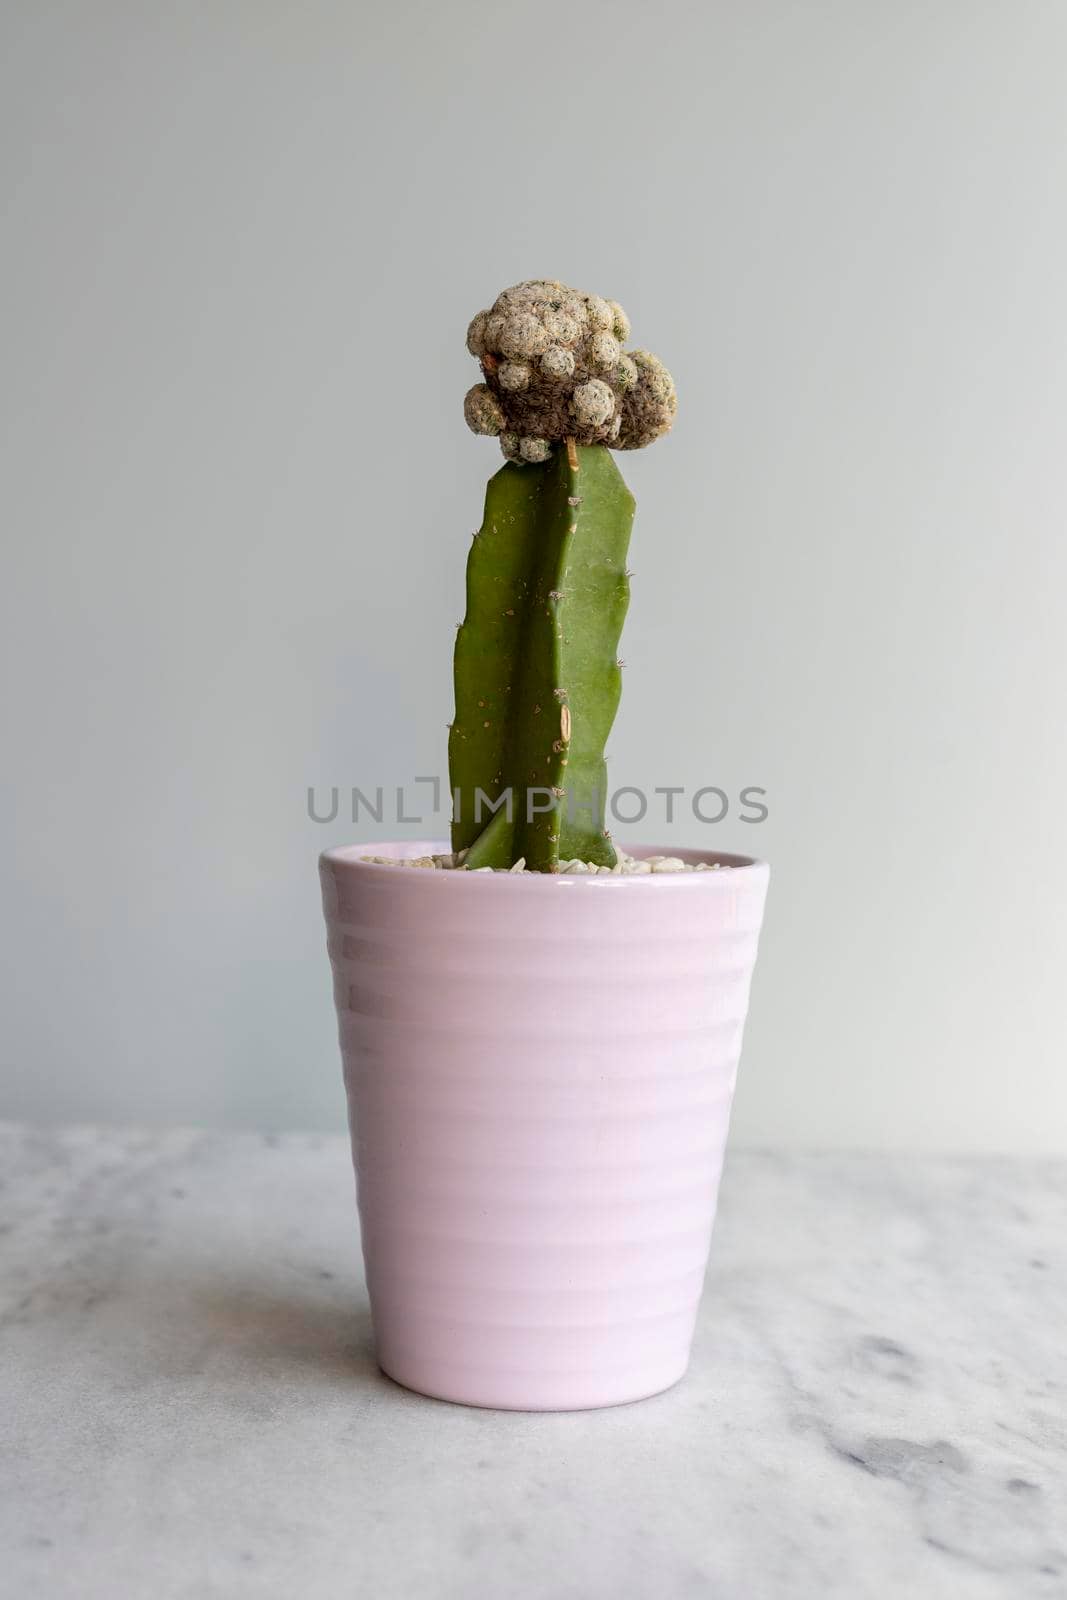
point(189, 1404)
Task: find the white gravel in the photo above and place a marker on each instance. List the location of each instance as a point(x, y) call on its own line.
point(624, 866)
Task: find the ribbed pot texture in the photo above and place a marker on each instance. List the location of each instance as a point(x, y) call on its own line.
point(539, 1074)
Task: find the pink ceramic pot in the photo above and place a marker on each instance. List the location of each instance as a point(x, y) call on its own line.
point(539, 1074)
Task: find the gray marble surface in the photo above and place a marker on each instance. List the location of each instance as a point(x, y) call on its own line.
point(190, 1404)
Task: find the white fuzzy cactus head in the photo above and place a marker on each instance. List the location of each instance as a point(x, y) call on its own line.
point(554, 368)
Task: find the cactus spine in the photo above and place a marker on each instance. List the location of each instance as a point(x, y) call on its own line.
point(536, 670)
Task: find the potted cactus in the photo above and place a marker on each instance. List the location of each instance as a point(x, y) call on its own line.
point(540, 1032)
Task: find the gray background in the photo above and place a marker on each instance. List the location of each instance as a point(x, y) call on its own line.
point(241, 243)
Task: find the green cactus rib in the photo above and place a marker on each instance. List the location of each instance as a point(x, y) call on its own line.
point(536, 669)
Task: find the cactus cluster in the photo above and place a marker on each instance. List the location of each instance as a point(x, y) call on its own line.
point(554, 368)
point(536, 669)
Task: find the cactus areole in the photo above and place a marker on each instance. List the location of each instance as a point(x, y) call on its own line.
point(536, 664)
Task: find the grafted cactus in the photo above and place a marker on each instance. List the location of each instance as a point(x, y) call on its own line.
point(536, 668)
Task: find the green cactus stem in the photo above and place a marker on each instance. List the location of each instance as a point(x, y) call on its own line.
point(536, 668)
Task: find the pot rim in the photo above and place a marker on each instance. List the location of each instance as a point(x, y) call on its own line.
point(745, 867)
